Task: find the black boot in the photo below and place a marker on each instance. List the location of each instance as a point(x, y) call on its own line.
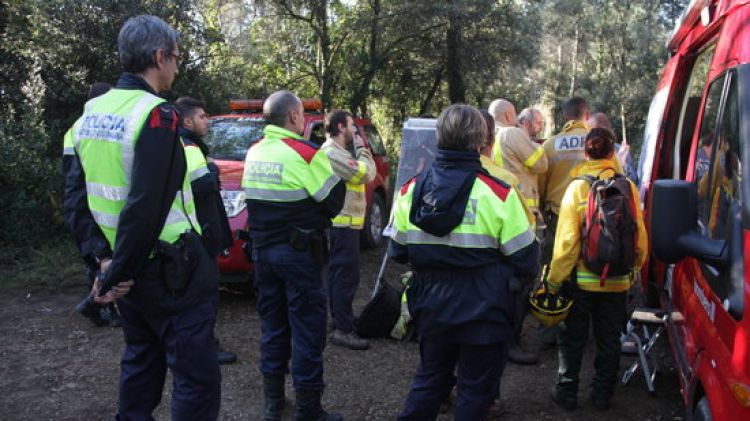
point(273, 391)
point(310, 409)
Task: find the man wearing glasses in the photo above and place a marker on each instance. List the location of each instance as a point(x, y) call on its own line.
point(133, 185)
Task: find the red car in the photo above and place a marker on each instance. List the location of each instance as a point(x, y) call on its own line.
point(231, 135)
point(698, 206)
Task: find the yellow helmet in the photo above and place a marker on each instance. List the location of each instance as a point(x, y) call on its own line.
point(550, 308)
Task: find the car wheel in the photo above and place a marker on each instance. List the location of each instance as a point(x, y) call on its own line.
point(702, 412)
point(372, 233)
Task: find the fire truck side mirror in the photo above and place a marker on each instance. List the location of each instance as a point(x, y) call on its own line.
point(673, 226)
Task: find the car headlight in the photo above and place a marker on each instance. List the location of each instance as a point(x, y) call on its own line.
point(234, 202)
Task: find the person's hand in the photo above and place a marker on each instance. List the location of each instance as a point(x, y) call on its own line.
point(104, 264)
point(115, 293)
point(623, 152)
point(553, 288)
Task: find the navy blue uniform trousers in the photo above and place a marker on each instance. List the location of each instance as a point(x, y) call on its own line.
point(184, 342)
point(478, 367)
point(292, 308)
point(343, 276)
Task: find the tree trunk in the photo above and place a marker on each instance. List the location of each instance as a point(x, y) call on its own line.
point(425, 107)
point(574, 65)
point(455, 77)
point(320, 16)
point(373, 63)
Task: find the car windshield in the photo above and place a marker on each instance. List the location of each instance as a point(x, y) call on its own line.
point(229, 138)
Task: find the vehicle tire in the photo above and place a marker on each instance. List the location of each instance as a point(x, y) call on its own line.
point(372, 233)
point(702, 412)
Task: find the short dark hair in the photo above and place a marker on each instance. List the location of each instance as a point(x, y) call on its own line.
point(333, 119)
point(187, 106)
point(600, 143)
point(574, 108)
point(277, 106)
point(99, 89)
point(139, 39)
point(460, 127)
point(490, 122)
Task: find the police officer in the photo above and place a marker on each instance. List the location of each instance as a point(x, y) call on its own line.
point(93, 245)
point(466, 234)
point(129, 158)
point(343, 272)
point(206, 186)
point(292, 194)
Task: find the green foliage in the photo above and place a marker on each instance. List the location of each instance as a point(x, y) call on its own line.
point(383, 59)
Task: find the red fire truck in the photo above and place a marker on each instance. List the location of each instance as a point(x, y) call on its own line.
point(697, 137)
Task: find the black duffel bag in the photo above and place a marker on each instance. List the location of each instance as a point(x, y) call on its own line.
point(380, 314)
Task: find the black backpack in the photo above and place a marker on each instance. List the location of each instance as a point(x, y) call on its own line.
point(609, 231)
point(380, 314)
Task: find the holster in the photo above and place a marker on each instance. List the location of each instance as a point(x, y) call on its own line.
point(247, 246)
point(176, 260)
point(314, 241)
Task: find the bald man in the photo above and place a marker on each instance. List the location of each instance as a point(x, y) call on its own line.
point(292, 194)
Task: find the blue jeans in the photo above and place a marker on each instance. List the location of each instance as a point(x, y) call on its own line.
point(292, 308)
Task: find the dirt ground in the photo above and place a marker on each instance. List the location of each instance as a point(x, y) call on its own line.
point(54, 365)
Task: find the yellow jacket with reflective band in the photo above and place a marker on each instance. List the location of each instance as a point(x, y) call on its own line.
point(567, 250)
point(506, 176)
point(515, 152)
point(489, 222)
point(104, 139)
point(357, 173)
point(564, 152)
point(276, 171)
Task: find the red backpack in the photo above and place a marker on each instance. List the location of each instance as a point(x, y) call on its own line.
point(609, 231)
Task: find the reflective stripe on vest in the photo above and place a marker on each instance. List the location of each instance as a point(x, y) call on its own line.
point(348, 220)
point(590, 278)
point(104, 138)
point(361, 172)
point(533, 158)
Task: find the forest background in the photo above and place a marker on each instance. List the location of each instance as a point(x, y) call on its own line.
point(382, 59)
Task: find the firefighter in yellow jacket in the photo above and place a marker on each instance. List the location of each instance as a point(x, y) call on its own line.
point(601, 298)
point(343, 271)
point(515, 152)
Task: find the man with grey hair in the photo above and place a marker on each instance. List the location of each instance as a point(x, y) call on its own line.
point(532, 122)
point(292, 195)
point(131, 167)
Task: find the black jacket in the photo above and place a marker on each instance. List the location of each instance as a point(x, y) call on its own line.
point(209, 206)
